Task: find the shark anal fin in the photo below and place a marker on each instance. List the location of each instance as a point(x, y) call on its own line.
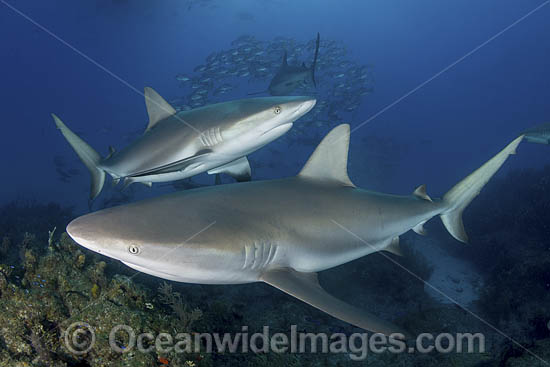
point(305, 287)
point(330, 160)
point(157, 107)
point(238, 169)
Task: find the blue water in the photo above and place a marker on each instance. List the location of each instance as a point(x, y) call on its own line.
point(467, 113)
point(453, 83)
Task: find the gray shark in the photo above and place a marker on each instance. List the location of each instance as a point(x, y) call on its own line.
point(288, 78)
point(281, 232)
point(538, 134)
point(214, 139)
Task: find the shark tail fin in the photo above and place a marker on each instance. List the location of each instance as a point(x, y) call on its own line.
point(462, 194)
point(315, 60)
point(87, 154)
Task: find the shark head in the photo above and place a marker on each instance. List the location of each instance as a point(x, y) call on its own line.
point(262, 120)
point(107, 233)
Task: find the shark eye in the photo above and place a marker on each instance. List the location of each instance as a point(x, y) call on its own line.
point(277, 110)
point(133, 249)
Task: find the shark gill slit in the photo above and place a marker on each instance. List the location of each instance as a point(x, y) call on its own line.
point(246, 251)
point(258, 255)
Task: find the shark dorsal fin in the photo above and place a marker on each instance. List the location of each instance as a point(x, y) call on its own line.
point(329, 161)
point(157, 108)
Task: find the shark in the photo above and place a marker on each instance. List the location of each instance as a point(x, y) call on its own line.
point(281, 232)
point(538, 134)
point(290, 77)
point(175, 145)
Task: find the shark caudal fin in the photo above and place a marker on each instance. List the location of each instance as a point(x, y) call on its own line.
point(460, 196)
point(315, 60)
point(87, 154)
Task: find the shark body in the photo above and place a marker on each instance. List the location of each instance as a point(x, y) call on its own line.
point(281, 232)
point(290, 77)
point(214, 139)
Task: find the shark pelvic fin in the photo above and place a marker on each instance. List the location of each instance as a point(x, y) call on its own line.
point(394, 247)
point(419, 228)
point(305, 287)
point(421, 193)
point(329, 161)
point(238, 169)
point(157, 107)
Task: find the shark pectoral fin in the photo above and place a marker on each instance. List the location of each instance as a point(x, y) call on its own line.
point(536, 139)
point(305, 287)
point(157, 107)
point(238, 169)
point(329, 161)
point(180, 165)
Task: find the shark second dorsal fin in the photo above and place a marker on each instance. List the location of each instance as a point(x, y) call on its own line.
point(421, 193)
point(157, 108)
point(329, 161)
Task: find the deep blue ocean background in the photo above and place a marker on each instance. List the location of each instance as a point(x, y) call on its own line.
point(453, 83)
point(449, 126)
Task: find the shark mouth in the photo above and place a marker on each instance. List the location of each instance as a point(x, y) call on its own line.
point(156, 273)
point(279, 130)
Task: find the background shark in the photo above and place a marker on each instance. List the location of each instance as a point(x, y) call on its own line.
point(215, 138)
point(538, 134)
point(281, 232)
point(290, 77)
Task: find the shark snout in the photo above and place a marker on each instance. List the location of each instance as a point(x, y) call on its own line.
point(303, 106)
point(82, 232)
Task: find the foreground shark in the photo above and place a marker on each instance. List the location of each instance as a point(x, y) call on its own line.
point(538, 134)
point(288, 78)
point(281, 232)
point(215, 138)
